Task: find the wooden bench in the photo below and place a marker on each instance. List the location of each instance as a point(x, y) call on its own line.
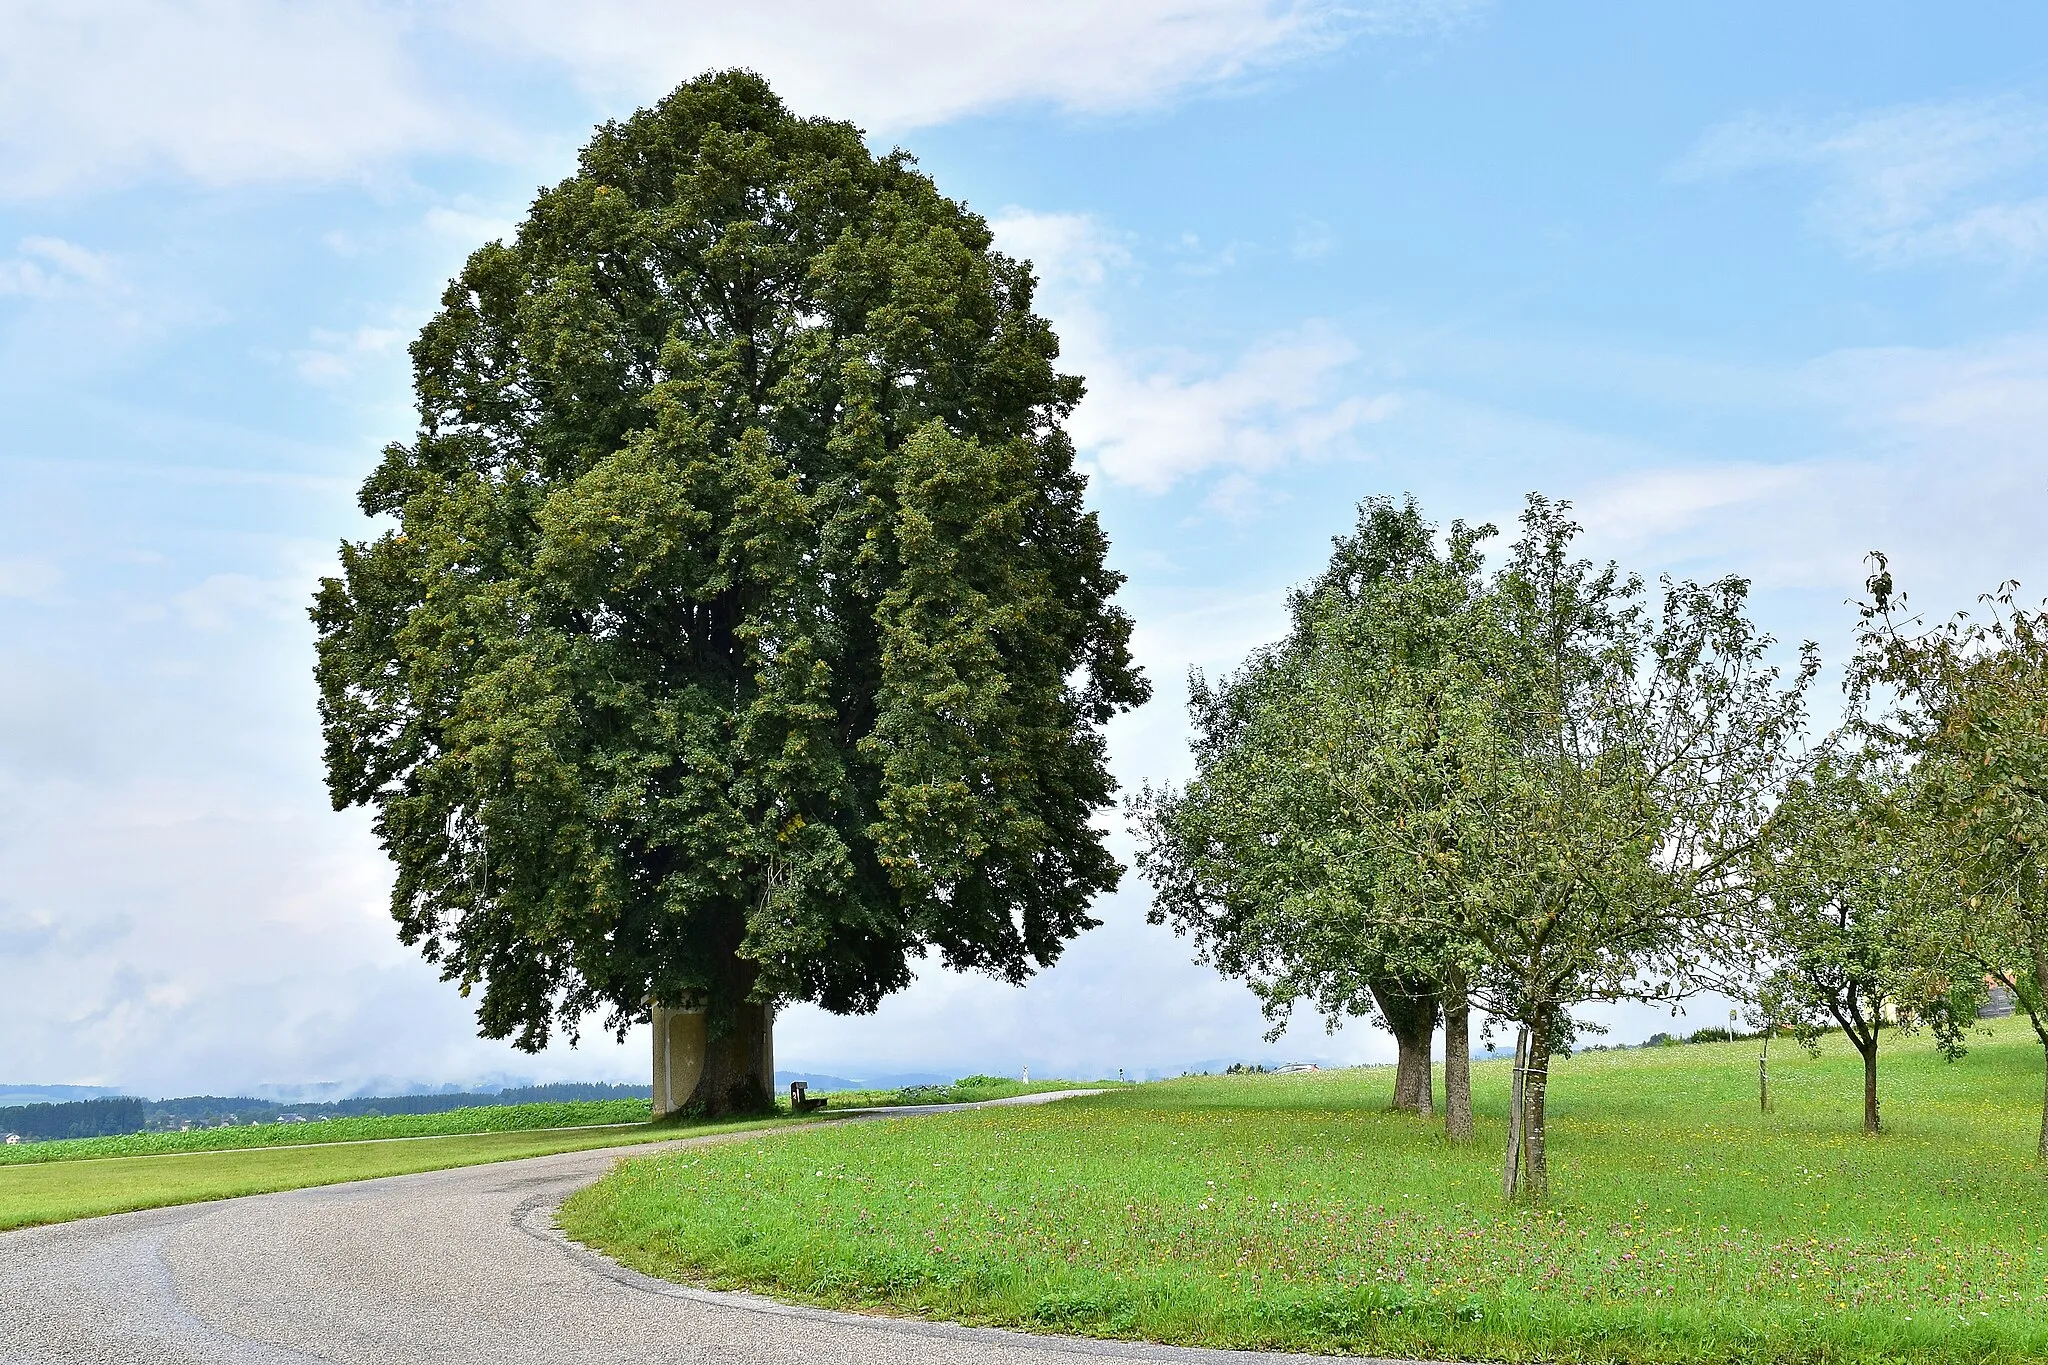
point(799, 1102)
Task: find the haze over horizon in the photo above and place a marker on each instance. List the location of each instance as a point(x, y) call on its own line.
point(1758, 289)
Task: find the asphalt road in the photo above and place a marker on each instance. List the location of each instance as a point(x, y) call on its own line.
point(448, 1266)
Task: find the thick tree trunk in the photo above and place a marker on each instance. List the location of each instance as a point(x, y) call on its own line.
point(739, 1067)
point(1869, 1084)
point(1457, 1058)
point(1511, 1169)
point(1409, 1008)
point(703, 1072)
point(1535, 1150)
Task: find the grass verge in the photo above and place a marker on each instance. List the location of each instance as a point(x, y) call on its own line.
point(497, 1118)
point(966, 1090)
point(1296, 1213)
point(56, 1192)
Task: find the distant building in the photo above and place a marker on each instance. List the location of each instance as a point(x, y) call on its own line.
point(12, 1139)
point(1997, 1001)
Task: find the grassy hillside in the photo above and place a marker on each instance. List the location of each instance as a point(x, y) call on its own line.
point(1295, 1212)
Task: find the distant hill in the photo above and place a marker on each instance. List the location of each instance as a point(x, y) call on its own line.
point(12, 1095)
point(816, 1082)
point(881, 1080)
point(104, 1114)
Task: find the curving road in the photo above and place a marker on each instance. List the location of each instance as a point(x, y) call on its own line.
point(448, 1266)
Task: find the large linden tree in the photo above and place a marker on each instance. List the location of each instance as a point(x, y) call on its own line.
point(737, 633)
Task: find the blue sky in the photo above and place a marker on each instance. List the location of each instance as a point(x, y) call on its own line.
point(1758, 287)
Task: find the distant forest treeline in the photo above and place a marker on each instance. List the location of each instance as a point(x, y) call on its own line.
point(74, 1119)
point(112, 1116)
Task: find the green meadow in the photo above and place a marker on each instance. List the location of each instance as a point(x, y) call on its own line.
point(85, 1187)
point(496, 1118)
point(1296, 1212)
point(50, 1182)
point(966, 1090)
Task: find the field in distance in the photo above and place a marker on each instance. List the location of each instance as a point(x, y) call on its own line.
point(50, 1182)
point(496, 1118)
point(86, 1187)
point(966, 1090)
point(1295, 1212)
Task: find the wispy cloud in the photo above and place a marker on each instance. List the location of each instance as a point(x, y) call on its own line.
point(1962, 179)
point(1155, 421)
point(34, 579)
point(1312, 240)
point(474, 228)
point(334, 357)
point(921, 61)
point(235, 91)
point(220, 601)
point(215, 91)
point(1650, 505)
point(1968, 403)
point(1933, 454)
point(50, 267)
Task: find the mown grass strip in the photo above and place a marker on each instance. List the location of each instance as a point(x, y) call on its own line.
point(55, 1192)
point(967, 1090)
point(503, 1118)
point(58, 1181)
point(1296, 1213)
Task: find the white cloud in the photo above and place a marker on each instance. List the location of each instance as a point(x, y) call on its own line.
point(219, 601)
point(1945, 180)
point(1288, 396)
point(1970, 402)
point(224, 939)
point(216, 91)
point(1936, 455)
point(902, 65)
point(1655, 504)
point(50, 267)
point(34, 579)
point(471, 228)
point(336, 356)
point(232, 91)
point(1313, 240)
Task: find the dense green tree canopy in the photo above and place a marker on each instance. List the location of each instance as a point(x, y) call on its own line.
point(739, 633)
point(1532, 783)
point(1271, 857)
point(1965, 701)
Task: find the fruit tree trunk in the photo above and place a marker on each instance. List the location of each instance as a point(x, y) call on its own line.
point(1409, 1008)
point(1535, 1149)
point(1457, 1058)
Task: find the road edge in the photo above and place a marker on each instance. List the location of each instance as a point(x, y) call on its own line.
point(534, 1216)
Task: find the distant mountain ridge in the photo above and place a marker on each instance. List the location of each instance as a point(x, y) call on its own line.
point(881, 1080)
